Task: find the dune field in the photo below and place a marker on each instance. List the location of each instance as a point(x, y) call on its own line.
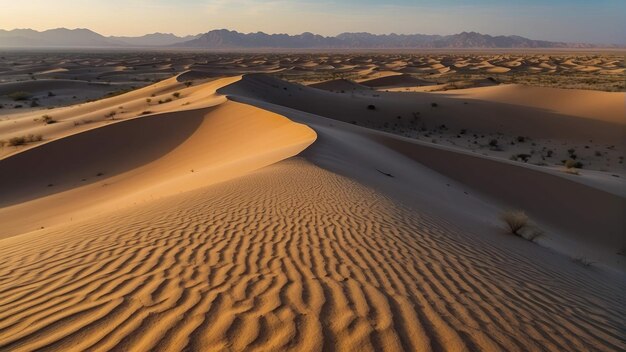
point(311, 202)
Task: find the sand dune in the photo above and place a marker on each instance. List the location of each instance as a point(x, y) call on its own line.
point(193, 227)
point(214, 269)
point(139, 159)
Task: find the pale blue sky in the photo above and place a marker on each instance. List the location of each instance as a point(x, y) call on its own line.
point(599, 21)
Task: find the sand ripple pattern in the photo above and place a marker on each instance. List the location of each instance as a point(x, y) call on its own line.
point(291, 257)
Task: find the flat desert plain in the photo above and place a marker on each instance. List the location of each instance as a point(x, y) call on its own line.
point(305, 202)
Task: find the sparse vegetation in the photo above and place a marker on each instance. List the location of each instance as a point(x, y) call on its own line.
point(371, 107)
point(515, 221)
point(21, 140)
point(48, 120)
point(523, 157)
point(570, 164)
point(176, 95)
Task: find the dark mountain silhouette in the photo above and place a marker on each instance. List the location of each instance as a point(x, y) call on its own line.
point(224, 39)
point(155, 39)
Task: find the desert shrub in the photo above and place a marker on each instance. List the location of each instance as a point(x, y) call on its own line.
point(148, 100)
point(188, 84)
point(523, 157)
point(434, 105)
point(515, 221)
point(573, 164)
point(51, 94)
point(146, 113)
point(111, 114)
point(371, 107)
point(21, 140)
point(521, 139)
point(493, 143)
point(48, 120)
point(15, 141)
point(19, 96)
point(176, 95)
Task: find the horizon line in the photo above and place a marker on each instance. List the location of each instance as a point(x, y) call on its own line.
point(294, 34)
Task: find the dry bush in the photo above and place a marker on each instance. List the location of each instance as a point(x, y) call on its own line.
point(515, 220)
point(48, 120)
point(21, 140)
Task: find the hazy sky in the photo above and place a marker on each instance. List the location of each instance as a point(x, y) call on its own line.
point(600, 21)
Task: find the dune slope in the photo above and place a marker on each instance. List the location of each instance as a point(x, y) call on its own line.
point(194, 228)
point(297, 258)
point(140, 159)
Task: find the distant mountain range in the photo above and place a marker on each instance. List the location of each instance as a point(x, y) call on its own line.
point(231, 40)
point(83, 38)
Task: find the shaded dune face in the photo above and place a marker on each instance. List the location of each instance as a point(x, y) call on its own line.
point(113, 149)
point(141, 159)
point(291, 257)
point(509, 117)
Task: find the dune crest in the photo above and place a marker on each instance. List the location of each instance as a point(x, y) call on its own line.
point(142, 158)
